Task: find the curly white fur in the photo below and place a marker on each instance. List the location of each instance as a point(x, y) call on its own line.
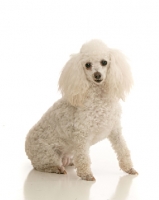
point(88, 112)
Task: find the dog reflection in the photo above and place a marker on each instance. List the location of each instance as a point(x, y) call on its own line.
point(123, 188)
point(41, 186)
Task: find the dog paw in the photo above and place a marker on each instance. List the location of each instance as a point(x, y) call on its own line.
point(71, 164)
point(88, 177)
point(132, 171)
point(61, 170)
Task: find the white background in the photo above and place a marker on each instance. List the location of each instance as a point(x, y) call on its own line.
point(36, 39)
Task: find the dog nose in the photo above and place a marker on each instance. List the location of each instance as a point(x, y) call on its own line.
point(97, 75)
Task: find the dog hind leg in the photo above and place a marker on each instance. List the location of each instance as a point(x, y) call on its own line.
point(51, 169)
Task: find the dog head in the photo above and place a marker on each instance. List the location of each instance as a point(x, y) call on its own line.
point(95, 61)
point(95, 64)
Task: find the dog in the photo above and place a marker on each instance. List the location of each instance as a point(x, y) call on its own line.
point(92, 83)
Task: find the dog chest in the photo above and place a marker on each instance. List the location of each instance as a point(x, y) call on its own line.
point(95, 118)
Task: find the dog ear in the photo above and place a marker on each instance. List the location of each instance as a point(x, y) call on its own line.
point(119, 78)
point(73, 83)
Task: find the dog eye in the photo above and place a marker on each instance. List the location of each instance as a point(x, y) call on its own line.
point(103, 62)
point(88, 65)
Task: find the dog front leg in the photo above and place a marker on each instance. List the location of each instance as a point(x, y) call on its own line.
point(122, 151)
point(82, 163)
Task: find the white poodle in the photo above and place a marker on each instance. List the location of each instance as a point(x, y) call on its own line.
point(92, 83)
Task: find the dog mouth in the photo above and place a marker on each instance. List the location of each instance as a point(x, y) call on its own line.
point(98, 81)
